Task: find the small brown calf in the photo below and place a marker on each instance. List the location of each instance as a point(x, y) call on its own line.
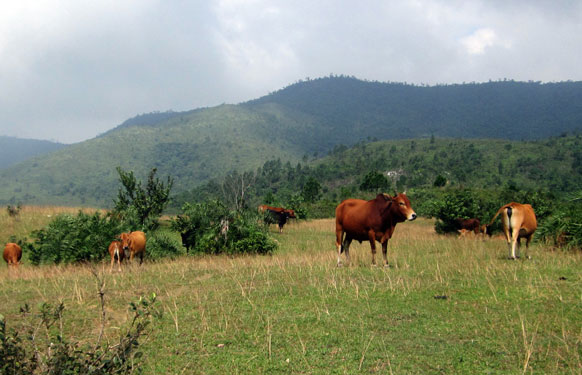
point(116, 251)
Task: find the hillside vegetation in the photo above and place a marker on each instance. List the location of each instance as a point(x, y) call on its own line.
point(552, 165)
point(14, 150)
point(298, 123)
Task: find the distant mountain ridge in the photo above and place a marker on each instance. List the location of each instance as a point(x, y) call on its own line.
point(14, 150)
point(307, 118)
point(501, 109)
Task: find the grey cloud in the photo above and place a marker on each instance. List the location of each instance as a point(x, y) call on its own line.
point(78, 72)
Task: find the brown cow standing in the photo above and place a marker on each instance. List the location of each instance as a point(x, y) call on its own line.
point(279, 213)
point(116, 251)
point(519, 221)
point(372, 221)
point(133, 244)
point(12, 254)
point(469, 225)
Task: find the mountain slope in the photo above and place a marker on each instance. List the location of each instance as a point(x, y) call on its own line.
point(14, 150)
point(191, 148)
point(511, 110)
point(307, 118)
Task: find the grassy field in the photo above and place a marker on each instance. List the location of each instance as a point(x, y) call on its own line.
point(445, 305)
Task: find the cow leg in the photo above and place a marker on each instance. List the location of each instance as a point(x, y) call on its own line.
point(118, 262)
point(514, 241)
point(346, 248)
point(141, 257)
point(385, 253)
point(527, 241)
point(339, 233)
point(372, 238)
point(509, 237)
point(112, 261)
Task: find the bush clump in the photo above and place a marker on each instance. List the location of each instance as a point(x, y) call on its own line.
point(211, 228)
point(564, 227)
point(160, 245)
point(69, 238)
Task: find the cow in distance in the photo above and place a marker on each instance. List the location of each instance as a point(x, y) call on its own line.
point(469, 225)
point(134, 244)
point(373, 220)
point(519, 221)
point(12, 254)
point(279, 214)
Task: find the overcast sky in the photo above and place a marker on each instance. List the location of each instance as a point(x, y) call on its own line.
point(72, 69)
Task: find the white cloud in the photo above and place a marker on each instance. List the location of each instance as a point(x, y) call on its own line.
point(89, 65)
point(480, 40)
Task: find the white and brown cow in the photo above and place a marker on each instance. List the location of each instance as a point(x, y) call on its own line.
point(519, 221)
point(116, 253)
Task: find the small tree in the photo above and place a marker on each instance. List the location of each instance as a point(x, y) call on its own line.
point(142, 204)
point(311, 190)
point(235, 188)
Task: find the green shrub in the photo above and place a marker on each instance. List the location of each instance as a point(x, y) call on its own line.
point(69, 238)
point(247, 235)
point(564, 227)
point(456, 204)
point(211, 228)
point(160, 245)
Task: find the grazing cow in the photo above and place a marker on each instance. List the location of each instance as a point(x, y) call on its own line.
point(468, 225)
point(12, 254)
point(133, 244)
point(519, 221)
point(116, 252)
point(279, 214)
point(372, 220)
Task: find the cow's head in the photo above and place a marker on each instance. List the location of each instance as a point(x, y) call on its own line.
point(401, 206)
point(290, 214)
point(125, 242)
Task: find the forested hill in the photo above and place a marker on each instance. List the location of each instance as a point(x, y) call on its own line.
point(14, 150)
point(305, 120)
point(348, 109)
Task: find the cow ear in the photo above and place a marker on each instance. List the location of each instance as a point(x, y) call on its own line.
point(387, 197)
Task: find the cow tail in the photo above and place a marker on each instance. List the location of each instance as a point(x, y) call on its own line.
point(495, 217)
point(509, 213)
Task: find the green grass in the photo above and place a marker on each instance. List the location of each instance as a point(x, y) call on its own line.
point(296, 312)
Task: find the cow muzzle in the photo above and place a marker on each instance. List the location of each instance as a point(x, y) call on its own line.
point(412, 216)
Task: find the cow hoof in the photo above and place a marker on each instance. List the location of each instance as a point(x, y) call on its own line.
point(511, 258)
point(387, 266)
point(528, 257)
point(374, 265)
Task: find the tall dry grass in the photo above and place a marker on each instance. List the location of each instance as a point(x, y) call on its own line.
point(252, 313)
